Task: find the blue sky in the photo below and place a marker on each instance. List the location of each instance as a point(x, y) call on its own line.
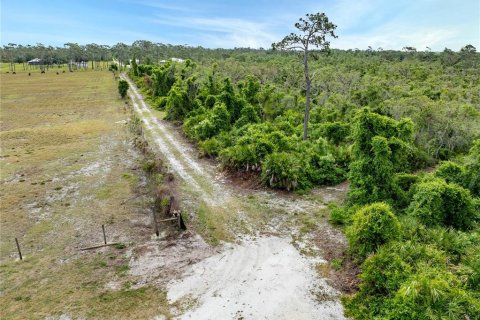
point(390, 24)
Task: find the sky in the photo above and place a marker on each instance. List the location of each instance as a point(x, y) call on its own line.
point(389, 24)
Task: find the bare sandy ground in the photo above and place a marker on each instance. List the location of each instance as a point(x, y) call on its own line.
point(262, 278)
point(265, 278)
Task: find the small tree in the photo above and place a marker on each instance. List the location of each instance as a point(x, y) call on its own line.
point(134, 66)
point(315, 28)
point(122, 88)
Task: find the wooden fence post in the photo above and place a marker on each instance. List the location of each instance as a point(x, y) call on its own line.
point(155, 223)
point(104, 236)
point(18, 248)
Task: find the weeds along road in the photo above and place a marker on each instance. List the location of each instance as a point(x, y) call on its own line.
point(260, 277)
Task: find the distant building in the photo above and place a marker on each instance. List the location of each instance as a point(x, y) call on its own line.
point(35, 61)
point(173, 60)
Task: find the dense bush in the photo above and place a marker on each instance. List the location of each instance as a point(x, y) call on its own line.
point(285, 171)
point(433, 293)
point(373, 226)
point(472, 169)
point(439, 203)
point(407, 280)
point(381, 147)
point(210, 147)
point(122, 88)
point(177, 104)
point(341, 215)
point(450, 172)
point(337, 131)
point(403, 191)
point(215, 121)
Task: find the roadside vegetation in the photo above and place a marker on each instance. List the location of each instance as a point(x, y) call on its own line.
point(416, 236)
point(247, 110)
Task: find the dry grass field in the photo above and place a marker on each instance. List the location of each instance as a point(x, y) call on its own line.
point(66, 169)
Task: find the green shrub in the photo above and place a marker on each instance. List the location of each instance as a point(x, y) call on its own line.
point(210, 101)
point(203, 124)
point(163, 78)
point(336, 132)
point(160, 103)
point(472, 169)
point(220, 117)
point(342, 155)
point(284, 170)
point(233, 102)
point(281, 141)
point(433, 293)
point(177, 105)
point(454, 242)
point(385, 272)
point(470, 263)
point(450, 172)
point(216, 120)
point(238, 157)
point(204, 129)
point(247, 115)
point(210, 147)
point(373, 225)
point(405, 181)
point(122, 88)
point(381, 148)
point(324, 170)
point(340, 215)
point(439, 203)
point(402, 189)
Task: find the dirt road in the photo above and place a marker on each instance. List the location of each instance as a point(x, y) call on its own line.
point(260, 277)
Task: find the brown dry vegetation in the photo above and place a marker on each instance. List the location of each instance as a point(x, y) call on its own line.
point(66, 169)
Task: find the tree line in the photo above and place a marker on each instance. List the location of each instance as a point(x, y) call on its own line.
point(150, 52)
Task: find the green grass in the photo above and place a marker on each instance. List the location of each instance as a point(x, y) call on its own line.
point(212, 225)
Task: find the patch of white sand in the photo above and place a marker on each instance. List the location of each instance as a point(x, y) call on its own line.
point(265, 278)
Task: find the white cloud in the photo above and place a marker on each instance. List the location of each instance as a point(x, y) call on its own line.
point(397, 39)
point(165, 6)
point(394, 25)
point(225, 32)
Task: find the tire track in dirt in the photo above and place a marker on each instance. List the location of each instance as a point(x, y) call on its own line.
point(198, 178)
point(266, 278)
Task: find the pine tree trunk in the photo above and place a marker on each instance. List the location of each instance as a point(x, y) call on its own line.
point(307, 94)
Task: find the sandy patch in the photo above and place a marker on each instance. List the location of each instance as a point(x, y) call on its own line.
point(157, 261)
point(259, 279)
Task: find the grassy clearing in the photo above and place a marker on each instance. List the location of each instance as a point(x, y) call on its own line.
point(65, 170)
